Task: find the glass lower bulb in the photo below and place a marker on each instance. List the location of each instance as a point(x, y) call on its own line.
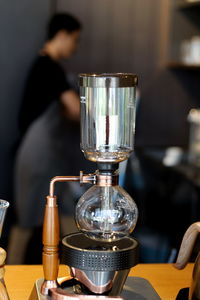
point(106, 213)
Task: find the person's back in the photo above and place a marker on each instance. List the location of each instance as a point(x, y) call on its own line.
point(50, 148)
point(47, 81)
point(50, 132)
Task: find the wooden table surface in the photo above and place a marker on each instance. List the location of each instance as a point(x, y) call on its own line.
point(166, 280)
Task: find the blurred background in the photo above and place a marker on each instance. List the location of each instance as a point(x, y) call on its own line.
point(159, 40)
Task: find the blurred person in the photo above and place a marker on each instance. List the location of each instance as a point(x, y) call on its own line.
point(49, 125)
point(47, 80)
point(51, 147)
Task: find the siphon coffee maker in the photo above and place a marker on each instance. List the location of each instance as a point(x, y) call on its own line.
point(101, 254)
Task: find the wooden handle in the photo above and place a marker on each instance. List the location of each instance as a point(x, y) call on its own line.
point(2, 262)
point(187, 245)
point(51, 240)
point(3, 291)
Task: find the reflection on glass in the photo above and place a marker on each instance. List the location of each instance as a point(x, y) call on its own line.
point(107, 123)
point(106, 213)
point(3, 208)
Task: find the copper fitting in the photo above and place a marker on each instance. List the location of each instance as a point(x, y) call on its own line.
point(107, 180)
point(47, 285)
point(87, 178)
point(98, 179)
point(51, 201)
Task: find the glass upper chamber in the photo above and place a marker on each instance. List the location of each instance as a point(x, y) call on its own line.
point(107, 116)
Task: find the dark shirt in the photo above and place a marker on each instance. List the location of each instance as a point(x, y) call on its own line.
point(45, 84)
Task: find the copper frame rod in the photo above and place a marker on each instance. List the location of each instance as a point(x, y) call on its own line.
point(61, 179)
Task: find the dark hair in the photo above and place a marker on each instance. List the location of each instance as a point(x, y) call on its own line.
point(62, 21)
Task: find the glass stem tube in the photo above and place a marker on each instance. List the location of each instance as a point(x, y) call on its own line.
point(106, 206)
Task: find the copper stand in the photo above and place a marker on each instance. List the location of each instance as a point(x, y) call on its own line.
point(49, 287)
point(51, 225)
